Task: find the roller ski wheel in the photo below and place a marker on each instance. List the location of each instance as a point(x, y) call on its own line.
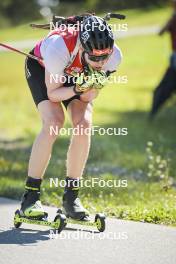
point(17, 224)
point(59, 211)
point(60, 219)
point(100, 222)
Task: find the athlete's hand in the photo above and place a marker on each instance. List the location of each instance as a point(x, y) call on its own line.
point(91, 78)
point(99, 79)
point(83, 83)
point(89, 95)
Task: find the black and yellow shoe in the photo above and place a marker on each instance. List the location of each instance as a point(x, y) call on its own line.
point(75, 209)
point(72, 206)
point(31, 206)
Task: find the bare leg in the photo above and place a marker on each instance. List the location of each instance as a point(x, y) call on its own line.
point(81, 115)
point(52, 115)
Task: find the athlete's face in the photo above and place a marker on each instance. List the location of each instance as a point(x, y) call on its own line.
point(97, 65)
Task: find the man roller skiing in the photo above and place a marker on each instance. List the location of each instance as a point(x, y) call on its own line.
point(89, 50)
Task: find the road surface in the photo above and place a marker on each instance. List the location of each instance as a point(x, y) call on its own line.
point(123, 242)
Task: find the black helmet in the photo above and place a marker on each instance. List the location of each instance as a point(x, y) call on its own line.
point(96, 36)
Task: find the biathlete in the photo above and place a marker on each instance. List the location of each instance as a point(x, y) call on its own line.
point(64, 53)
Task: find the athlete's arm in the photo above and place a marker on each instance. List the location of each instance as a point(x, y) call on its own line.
point(55, 89)
point(56, 57)
point(57, 92)
point(89, 95)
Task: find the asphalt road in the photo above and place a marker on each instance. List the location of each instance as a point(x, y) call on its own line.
point(123, 242)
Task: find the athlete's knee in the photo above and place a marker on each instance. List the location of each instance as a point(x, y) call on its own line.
point(83, 123)
point(52, 125)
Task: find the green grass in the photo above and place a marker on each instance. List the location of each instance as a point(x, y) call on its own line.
point(149, 199)
point(147, 17)
point(21, 32)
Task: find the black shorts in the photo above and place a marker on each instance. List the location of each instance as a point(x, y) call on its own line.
point(35, 76)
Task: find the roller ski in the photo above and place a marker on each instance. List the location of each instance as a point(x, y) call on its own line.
point(58, 224)
point(99, 220)
point(32, 212)
point(75, 212)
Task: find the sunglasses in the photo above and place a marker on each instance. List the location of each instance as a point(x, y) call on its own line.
point(98, 58)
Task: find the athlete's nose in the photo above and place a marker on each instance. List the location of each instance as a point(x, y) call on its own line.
point(100, 63)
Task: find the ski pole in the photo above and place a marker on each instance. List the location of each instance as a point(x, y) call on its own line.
point(21, 52)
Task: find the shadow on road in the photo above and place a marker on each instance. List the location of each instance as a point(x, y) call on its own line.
point(23, 236)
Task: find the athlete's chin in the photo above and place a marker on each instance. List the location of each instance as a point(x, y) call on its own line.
point(97, 68)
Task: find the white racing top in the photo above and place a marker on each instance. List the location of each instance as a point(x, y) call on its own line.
point(56, 56)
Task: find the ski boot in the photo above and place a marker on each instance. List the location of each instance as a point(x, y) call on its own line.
point(31, 206)
point(77, 214)
point(74, 210)
point(72, 205)
point(32, 212)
